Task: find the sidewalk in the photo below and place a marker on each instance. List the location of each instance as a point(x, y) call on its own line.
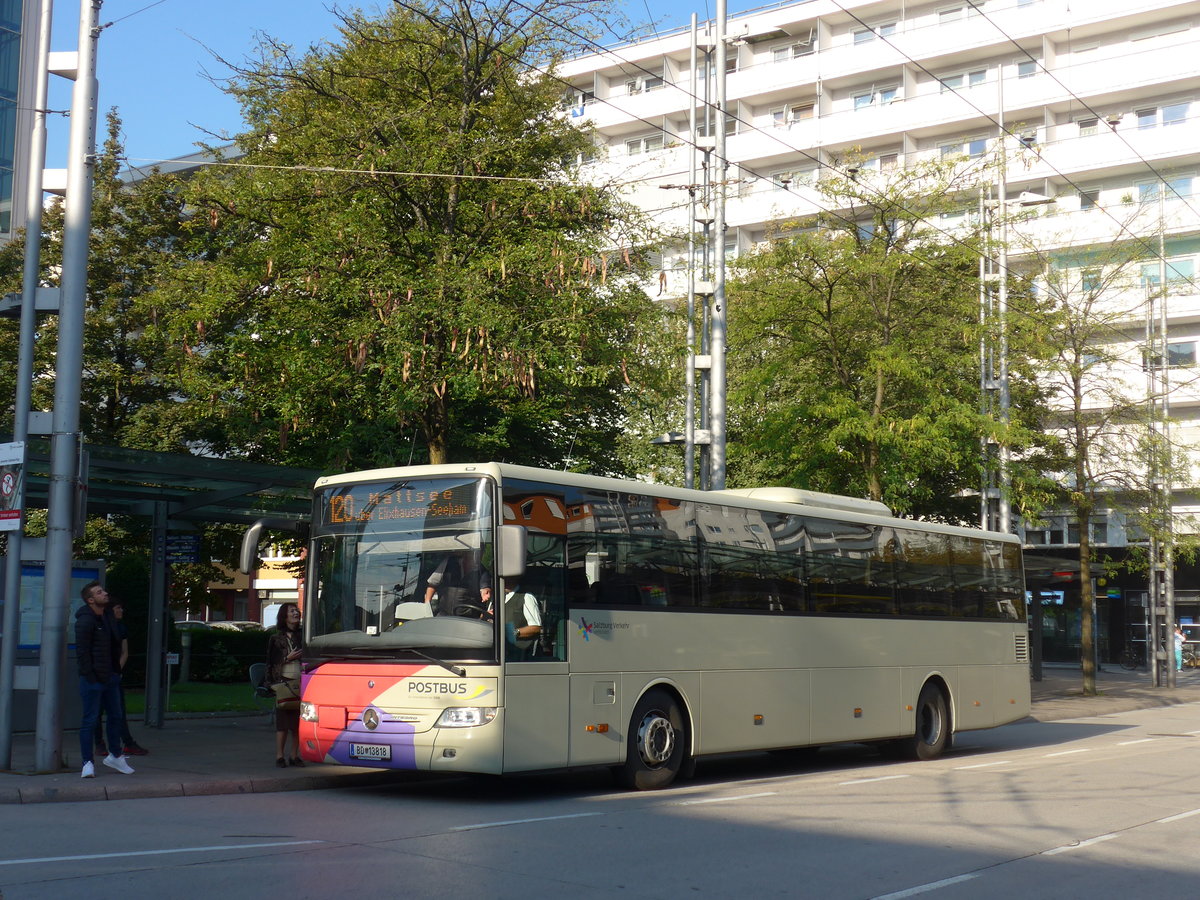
point(222, 754)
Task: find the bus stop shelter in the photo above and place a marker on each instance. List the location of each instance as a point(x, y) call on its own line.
point(172, 490)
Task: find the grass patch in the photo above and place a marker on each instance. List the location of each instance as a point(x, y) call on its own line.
point(200, 697)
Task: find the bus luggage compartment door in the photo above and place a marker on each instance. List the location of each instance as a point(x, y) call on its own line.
point(597, 727)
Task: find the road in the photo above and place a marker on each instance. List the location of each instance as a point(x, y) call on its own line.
point(1105, 807)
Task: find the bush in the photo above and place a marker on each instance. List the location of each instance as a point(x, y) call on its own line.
point(222, 656)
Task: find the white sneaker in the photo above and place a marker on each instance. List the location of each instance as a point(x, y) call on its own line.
point(89, 771)
point(118, 763)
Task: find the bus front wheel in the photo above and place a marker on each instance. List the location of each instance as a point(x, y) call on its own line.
point(933, 725)
point(654, 748)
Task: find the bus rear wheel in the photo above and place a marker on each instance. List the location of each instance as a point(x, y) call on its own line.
point(933, 725)
point(654, 748)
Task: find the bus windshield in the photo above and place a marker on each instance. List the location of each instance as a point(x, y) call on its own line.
point(403, 565)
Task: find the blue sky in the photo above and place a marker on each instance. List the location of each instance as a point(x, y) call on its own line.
point(152, 60)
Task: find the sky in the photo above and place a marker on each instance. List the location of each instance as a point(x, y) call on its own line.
point(155, 60)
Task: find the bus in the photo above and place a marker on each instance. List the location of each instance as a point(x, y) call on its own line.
point(495, 619)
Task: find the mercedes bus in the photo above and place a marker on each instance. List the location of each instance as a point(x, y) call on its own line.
point(494, 618)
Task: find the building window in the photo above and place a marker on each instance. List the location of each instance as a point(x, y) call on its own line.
point(973, 148)
point(1089, 199)
point(1174, 114)
point(1088, 126)
point(797, 112)
point(875, 97)
point(705, 129)
point(1027, 68)
point(1181, 353)
point(1171, 189)
point(959, 80)
point(795, 50)
point(786, 180)
point(864, 35)
point(647, 144)
point(643, 84)
point(954, 13)
point(1091, 280)
point(888, 161)
point(731, 65)
point(1147, 118)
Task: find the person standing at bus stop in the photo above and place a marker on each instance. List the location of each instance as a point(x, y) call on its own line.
point(129, 745)
point(284, 650)
point(1179, 639)
point(98, 653)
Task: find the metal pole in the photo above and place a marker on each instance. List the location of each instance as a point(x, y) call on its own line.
point(28, 330)
point(717, 448)
point(156, 620)
point(1168, 551)
point(65, 440)
point(689, 428)
point(1004, 504)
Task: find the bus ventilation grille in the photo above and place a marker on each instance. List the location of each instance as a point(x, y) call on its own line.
point(1021, 646)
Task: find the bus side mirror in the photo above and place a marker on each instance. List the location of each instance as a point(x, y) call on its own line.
point(510, 551)
point(253, 535)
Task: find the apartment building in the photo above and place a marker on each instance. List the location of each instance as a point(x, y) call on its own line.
point(1101, 105)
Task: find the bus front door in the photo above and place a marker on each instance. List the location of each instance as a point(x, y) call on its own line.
point(535, 716)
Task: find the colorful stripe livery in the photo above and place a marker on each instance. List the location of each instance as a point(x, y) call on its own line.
point(382, 715)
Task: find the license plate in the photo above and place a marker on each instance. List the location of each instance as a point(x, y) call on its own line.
point(370, 751)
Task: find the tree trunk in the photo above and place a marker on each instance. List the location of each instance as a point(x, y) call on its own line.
point(1087, 631)
point(437, 431)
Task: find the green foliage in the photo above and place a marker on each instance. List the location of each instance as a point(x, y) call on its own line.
point(221, 655)
point(855, 367)
point(400, 268)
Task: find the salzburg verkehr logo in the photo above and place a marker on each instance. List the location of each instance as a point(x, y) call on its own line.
point(585, 630)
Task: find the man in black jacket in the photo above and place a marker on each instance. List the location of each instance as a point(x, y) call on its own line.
point(98, 650)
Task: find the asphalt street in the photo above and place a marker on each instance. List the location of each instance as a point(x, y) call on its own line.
point(235, 754)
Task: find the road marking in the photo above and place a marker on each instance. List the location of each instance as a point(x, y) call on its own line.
point(1176, 818)
point(999, 762)
point(869, 780)
point(522, 821)
point(725, 799)
point(127, 853)
point(1067, 752)
point(1138, 741)
point(1192, 733)
point(1078, 846)
point(925, 888)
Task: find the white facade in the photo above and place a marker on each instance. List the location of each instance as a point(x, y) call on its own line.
point(1101, 101)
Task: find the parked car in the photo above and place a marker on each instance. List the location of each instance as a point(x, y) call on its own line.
point(237, 626)
point(192, 625)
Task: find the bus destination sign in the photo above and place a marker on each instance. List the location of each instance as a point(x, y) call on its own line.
point(366, 503)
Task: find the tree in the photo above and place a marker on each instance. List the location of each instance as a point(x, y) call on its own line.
point(855, 367)
point(136, 228)
point(1106, 397)
point(401, 266)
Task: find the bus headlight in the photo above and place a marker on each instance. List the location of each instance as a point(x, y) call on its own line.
point(308, 711)
point(466, 716)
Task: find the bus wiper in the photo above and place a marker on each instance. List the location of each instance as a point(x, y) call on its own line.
point(454, 670)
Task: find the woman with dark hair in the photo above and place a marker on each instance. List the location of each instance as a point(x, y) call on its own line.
point(283, 668)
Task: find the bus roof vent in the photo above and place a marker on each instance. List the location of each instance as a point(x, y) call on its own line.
point(813, 498)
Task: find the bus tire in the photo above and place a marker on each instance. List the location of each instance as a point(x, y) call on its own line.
point(655, 746)
point(932, 725)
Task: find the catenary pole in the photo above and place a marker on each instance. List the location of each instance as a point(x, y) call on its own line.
point(23, 400)
point(718, 327)
point(65, 438)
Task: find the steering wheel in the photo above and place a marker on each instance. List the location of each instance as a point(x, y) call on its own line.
point(471, 609)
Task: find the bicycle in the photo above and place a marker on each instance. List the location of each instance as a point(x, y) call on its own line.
point(1132, 657)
